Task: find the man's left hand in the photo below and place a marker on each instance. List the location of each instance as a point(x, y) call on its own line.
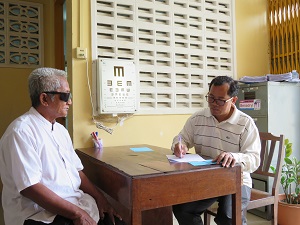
point(225, 159)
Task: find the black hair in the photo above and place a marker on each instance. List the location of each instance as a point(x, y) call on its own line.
point(233, 85)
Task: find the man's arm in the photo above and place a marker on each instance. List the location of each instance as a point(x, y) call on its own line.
point(249, 152)
point(103, 205)
point(184, 140)
point(249, 155)
point(50, 201)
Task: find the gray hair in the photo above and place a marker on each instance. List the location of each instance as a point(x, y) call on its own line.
point(41, 80)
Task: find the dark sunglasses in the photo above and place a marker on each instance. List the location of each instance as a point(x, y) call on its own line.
point(62, 95)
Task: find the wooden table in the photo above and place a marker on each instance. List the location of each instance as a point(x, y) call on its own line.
point(142, 186)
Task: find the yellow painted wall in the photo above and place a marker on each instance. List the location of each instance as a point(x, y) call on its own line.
point(155, 130)
point(14, 99)
point(252, 59)
point(252, 38)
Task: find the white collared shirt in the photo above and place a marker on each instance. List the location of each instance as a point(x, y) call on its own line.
point(33, 150)
point(237, 135)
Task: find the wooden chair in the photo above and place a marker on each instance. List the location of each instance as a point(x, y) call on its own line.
point(261, 198)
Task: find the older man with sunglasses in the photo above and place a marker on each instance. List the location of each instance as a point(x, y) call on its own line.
point(42, 176)
point(227, 135)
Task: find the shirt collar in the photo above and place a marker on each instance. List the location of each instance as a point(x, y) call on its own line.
point(234, 118)
point(46, 123)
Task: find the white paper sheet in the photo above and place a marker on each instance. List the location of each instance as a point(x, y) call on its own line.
point(186, 158)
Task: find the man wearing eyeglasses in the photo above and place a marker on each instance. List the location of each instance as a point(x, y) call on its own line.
point(42, 176)
point(227, 135)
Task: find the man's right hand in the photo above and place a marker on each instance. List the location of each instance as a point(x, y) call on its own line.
point(50, 201)
point(180, 150)
point(84, 219)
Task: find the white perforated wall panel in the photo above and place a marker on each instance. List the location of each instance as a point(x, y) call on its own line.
point(178, 46)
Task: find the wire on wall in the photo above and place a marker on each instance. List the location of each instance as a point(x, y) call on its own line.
point(80, 24)
point(119, 120)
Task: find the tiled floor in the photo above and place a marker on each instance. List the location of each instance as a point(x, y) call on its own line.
point(252, 220)
point(255, 220)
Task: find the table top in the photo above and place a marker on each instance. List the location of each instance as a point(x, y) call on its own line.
point(134, 163)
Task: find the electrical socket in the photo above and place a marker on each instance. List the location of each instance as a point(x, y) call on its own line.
point(81, 53)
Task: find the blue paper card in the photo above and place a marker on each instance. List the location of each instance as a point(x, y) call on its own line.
point(141, 149)
point(203, 163)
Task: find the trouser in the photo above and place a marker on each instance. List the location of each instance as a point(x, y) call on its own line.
point(189, 213)
point(60, 220)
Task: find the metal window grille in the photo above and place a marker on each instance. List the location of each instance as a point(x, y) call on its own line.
point(284, 23)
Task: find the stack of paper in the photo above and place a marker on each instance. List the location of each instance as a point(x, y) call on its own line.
point(280, 77)
point(255, 79)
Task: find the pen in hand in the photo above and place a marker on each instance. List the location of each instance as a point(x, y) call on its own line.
point(179, 143)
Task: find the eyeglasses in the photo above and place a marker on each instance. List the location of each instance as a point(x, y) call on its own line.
point(219, 102)
point(64, 96)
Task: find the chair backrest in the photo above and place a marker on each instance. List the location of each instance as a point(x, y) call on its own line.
point(272, 150)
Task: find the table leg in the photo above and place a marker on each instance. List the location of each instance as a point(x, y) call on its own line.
point(159, 216)
point(236, 208)
point(136, 218)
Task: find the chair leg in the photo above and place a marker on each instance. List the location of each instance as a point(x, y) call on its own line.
point(206, 217)
point(269, 212)
point(275, 213)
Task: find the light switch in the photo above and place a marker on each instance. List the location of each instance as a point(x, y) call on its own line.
point(81, 53)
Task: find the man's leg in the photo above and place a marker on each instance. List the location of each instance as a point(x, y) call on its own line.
point(107, 221)
point(224, 214)
point(189, 213)
point(58, 220)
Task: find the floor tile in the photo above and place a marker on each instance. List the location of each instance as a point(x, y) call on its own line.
point(252, 220)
